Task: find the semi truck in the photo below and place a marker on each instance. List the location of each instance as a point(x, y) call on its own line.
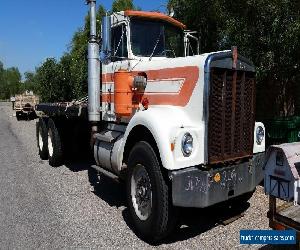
point(25, 105)
point(178, 127)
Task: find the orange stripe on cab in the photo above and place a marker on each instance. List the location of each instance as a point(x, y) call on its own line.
point(189, 73)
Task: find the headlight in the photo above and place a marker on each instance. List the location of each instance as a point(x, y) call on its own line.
point(260, 134)
point(187, 144)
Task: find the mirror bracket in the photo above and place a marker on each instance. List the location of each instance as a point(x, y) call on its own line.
point(105, 54)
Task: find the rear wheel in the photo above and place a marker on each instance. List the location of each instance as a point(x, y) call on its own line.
point(148, 195)
point(42, 138)
point(18, 115)
point(55, 153)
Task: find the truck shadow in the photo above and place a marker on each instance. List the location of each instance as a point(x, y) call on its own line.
point(192, 221)
point(107, 189)
point(195, 221)
point(112, 192)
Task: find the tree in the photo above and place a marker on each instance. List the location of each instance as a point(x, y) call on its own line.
point(119, 5)
point(268, 32)
point(11, 80)
point(65, 77)
point(202, 16)
point(78, 53)
point(265, 31)
point(29, 82)
point(49, 85)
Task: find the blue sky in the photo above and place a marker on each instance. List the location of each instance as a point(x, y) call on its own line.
point(32, 30)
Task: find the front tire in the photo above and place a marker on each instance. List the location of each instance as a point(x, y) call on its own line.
point(55, 152)
point(42, 137)
point(148, 195)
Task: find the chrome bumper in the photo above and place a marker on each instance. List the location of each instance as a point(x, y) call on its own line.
point(194, 187)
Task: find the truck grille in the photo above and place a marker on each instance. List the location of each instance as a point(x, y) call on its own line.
point(231, 115)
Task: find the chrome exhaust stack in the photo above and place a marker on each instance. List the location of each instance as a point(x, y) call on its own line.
point(93, 67)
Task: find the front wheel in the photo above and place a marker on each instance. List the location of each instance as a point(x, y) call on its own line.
point(148, 195)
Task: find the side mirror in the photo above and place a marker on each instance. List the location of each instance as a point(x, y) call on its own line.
point(191, 43)
point(106, 39)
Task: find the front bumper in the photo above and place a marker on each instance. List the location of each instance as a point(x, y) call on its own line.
point(193, 187)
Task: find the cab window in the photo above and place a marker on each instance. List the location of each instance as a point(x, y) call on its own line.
point(119, 43)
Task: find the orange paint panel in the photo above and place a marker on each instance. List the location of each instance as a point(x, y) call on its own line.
point(189, 73)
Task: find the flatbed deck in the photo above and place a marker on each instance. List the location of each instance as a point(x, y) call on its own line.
point(74, 109)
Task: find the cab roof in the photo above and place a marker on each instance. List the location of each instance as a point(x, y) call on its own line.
point(154, 15)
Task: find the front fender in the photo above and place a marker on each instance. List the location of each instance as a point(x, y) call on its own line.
point(167, 125)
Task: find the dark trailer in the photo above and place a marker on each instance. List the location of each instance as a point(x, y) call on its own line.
point(69, 127)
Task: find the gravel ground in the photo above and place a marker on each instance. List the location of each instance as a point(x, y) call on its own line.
point(45, 207)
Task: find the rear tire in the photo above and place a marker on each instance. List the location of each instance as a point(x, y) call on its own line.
point(55, 152)
point(42, 138)
point(19, 115)
point(148, 195)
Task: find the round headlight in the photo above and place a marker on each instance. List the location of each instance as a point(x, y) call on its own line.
point(187, 144)
point(260, 134)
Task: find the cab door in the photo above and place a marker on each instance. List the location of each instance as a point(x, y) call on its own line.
point(119, 60)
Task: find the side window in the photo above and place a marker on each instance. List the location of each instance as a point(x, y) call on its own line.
point(119, 43)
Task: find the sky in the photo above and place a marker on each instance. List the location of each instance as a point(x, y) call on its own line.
point(32, 30)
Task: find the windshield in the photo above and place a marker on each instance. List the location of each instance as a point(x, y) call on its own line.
point(155, 38)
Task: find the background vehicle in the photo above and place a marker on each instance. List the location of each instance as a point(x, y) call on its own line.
point(25, 105)
point(179, 128)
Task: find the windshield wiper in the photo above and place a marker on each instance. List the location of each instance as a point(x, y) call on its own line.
point(157, 41)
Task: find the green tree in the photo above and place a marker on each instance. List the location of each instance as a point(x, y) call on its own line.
point(78, 53)
point(12, 82)
point(49, 85)
point(64, 77)
point(67, 78)
point(30, 82)
point(265, 31)
point(119, 5)
point(268, 32)
point(202, 16)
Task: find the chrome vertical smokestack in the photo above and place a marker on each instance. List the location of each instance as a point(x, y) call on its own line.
point(93, 67)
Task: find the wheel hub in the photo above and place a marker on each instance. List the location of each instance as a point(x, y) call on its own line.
point(141, 192)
